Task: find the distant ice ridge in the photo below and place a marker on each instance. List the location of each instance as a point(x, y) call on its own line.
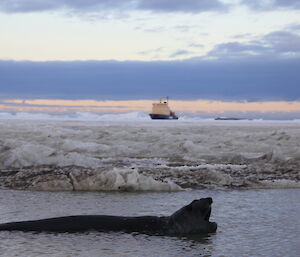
point(80, 116)
point(202, 154)
point(113, 117)
point(89, 116)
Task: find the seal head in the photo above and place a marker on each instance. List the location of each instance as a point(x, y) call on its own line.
point(193, 218)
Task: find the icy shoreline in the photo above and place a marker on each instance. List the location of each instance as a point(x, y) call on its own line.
point(161, 179)
point(73, 178)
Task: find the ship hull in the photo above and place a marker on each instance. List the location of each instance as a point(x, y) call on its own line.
point(163, 117)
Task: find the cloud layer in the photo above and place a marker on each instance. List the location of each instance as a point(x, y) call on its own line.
point(181, 6)
point(251, 79)
point(192, 6)
point(189, 6)
point(277, 43)
point(272, 4)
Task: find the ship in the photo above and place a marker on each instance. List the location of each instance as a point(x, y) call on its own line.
point(161, 111)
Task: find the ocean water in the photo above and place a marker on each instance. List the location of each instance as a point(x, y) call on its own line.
point(262, 222)
point(129, 165)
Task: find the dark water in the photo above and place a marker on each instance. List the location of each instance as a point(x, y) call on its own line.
point(251, 223)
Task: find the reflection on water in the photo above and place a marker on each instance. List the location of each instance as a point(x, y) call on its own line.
point(250, 223)
point(100, 244)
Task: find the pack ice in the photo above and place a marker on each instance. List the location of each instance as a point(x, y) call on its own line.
point(141, 156)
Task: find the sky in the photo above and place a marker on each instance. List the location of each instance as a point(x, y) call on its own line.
point(241, 54)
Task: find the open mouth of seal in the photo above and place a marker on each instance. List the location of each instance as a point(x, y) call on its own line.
point(208, 209)
point(207, 214)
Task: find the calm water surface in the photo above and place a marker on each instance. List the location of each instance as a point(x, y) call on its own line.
point(251, 223)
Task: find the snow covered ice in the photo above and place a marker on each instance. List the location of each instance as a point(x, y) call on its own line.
point(138, 154)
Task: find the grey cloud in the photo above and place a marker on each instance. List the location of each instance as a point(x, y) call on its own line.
point(45, 5)
point(184, 28)
point(152, 51)
point(27, 5)
point(12, 6)
point(192, 6)
point(197, 45)
point(180, 53)
point(237, 49)
point(245, 78)
point(287, 3)
point(294, 27)
point(171, 6)
point(257, 4)
point(275, 43)
point(243, 36)
point(283, 41)
point(271, 4)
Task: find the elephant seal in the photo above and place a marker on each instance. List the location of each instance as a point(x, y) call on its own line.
point(190, 219)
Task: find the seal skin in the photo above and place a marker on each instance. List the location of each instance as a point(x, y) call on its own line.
point(190, 219)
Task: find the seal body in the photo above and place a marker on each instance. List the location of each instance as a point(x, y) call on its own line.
point(191, 219)
point(83, 223)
